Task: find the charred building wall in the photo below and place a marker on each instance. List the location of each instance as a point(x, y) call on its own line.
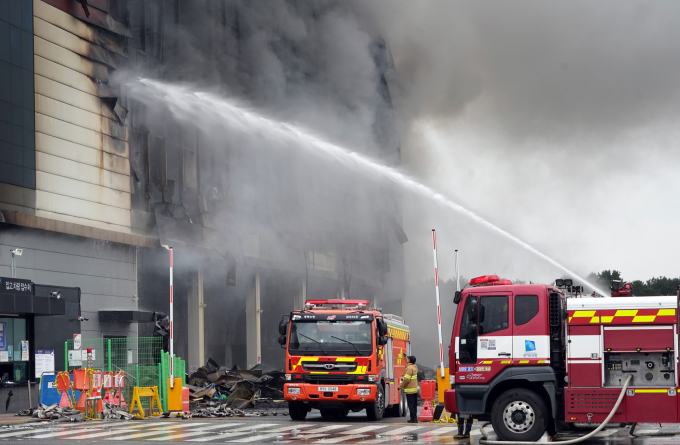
point(254, 230)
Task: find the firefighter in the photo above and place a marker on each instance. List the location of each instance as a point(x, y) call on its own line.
point(409, 384)
point(468, 427)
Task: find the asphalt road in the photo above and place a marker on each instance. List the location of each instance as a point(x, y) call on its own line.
point(355, 429)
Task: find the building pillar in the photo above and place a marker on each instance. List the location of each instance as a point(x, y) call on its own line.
point(196, 325)
point(253, 334)
point(341, 293)
point(300, 295)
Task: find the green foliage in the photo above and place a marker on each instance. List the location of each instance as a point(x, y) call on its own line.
point(653, 286)
point(603, 279)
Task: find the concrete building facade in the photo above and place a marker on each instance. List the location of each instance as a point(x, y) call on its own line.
point(95, 183)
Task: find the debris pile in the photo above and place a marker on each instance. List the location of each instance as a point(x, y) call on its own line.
point(216, 387)
point(116, 412)
point(219, 411)
point(425, 373)
point(49, 412)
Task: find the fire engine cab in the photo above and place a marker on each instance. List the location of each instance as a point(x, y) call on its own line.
point(342, 356)
point(530, 360)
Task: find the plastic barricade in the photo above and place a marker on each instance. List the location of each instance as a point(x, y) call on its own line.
point(427, 393)
point(49, 394)
point(81, 379)
point(185, 400)
point(428, 389)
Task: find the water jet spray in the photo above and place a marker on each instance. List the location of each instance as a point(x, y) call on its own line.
point(187, 104)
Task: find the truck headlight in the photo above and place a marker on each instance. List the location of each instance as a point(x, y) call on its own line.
point(452, 379)
point(364, 392)
point(288, 377)
point(293, 390)
point(373, 378)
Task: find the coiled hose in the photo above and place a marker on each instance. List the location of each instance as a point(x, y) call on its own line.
point(485, 441)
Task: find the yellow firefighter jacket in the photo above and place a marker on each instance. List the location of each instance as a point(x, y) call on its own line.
point(409, 383)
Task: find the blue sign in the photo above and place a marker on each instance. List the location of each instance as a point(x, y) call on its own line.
point(3, 330)
point(529, 345)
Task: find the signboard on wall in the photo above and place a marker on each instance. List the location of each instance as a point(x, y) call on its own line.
point(24, 350)
point(3, 336)
point(4, 357)
point(77, 341)
point(15, 286)
point(75, 357)
point(44, 361)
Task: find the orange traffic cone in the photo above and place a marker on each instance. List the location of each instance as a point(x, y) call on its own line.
point(80, 406)
point(100, 406)
point(426, 415)
point(65, 401)
point(108, 398)
point(118, 399)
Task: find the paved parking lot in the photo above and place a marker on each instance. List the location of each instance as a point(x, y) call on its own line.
point(354, 429)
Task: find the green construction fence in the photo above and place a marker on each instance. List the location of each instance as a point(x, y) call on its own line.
point(141, 358)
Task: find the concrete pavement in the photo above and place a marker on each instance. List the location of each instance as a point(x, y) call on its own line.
point(355, 429)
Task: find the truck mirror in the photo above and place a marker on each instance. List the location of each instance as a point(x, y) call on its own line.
point(283, 327)
point(382, 341)
point(472, 331)
point(282, 340)
point(473, 310)
point(382, 327)
point(457, 297)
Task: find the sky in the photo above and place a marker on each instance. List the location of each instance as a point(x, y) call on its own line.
point(555, 121)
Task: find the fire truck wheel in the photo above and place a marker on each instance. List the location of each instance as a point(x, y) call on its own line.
point(519, 415)
point(375, 410)
point(297, 410)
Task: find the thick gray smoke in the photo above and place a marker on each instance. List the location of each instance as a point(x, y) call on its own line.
point(556, 121)
point(292, 217)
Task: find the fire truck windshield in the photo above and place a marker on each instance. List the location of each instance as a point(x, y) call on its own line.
point(331, 338)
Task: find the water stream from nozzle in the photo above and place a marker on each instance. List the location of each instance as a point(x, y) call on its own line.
point(187, 104)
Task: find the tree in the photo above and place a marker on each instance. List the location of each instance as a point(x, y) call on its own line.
point(653, 286)
point(604, 279)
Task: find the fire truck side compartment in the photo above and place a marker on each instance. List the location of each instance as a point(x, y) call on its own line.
point(638, 338)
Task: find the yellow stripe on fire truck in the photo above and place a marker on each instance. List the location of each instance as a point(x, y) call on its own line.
point(398, 333)
point(622, 316)
point(517, 361)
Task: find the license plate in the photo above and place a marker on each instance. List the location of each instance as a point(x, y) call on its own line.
point(328, 389)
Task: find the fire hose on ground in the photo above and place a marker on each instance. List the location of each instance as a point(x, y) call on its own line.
point(485, 441)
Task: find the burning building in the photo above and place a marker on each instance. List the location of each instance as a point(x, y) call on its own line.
point(95, 181)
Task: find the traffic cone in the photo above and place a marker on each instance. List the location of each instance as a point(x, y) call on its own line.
point(100, 406)
point(65, 401)
point(80, 406)
point(118, 399)
point(426, 415)
point(108, 398)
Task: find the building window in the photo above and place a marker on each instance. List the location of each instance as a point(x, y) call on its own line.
point(12, 332)
point(17, 98)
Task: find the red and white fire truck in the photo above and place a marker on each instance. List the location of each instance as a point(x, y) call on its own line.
point(530, 360)
point(341, 356)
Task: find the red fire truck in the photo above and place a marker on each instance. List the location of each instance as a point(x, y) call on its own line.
point(530, 360)
point(342, 356)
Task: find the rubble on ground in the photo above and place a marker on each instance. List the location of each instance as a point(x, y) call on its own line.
point(216, 387)
point(115, 412)
point(219, 411)
point(49, 412)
